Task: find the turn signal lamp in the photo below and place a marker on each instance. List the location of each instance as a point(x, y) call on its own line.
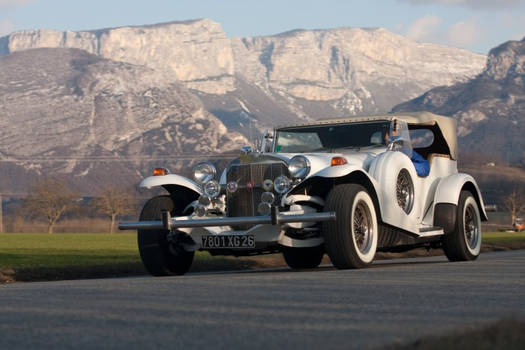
point(160, 172)
point(338, 161)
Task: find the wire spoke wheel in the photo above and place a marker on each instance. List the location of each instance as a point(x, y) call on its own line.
point(405, 191)
point(464, 243)
point(351, 240)
point(362, 227)
point(472, 232)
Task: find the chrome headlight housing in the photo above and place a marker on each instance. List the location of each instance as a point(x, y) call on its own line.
point(282, 184)
point(204, 172)
point(299, 167)
point(212, 189)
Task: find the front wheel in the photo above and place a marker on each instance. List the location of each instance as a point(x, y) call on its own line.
point(351, 240)
point(464, 243)
point(303, 258)
point(159, 256)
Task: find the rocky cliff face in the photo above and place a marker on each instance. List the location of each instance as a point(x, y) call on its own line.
point(355, 70)
point(185, 88)
point(197, 53)
point(490, 108)
point(303, 74)
point(68, 104)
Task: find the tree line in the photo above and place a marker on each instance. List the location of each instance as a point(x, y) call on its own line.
point(50, 199)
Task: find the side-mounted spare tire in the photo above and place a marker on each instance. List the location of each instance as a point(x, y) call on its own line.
point(159, 256)
point(464, 243)
point(351, 240)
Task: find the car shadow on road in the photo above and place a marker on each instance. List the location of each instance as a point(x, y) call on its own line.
point(328, 267)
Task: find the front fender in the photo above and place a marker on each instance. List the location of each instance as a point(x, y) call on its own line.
point(323, 181)
point(170, 180)
point(449, 189)
point(336, 171)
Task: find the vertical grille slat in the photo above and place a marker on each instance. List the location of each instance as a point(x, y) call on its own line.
point(244, 202)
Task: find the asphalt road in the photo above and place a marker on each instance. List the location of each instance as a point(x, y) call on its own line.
point(393, 301)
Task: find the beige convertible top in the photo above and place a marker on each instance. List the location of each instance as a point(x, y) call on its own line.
point(447, 125)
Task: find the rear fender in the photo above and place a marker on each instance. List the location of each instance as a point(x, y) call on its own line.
point(449, 189)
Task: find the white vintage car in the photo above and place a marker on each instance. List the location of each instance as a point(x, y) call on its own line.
point(345, 187)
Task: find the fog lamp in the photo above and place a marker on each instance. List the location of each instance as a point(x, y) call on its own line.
point(264, 208)
point(232, 186)
point(267, 185)
point(282, 184)
point(204, 200)
point(200, 210)
point(212, 188)
point(267, 197)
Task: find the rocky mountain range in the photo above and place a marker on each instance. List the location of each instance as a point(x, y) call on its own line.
point(490, 108)
point(263, 80)
point(174, 90)
point(65, 111)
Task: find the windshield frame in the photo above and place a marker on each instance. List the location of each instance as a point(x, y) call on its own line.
point(383, 125)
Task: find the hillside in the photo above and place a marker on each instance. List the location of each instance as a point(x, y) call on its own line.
point(261, 81)
point(68, 104)
point(105, 106)
point(490, 108)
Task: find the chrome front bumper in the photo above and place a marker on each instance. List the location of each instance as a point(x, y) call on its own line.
point(276, 218)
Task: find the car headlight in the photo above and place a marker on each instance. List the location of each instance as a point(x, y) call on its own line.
point(282, 184)
point(204, 172)
point(212, 188)
point(299, 167)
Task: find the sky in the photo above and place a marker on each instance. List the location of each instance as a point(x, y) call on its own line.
point(476, 25)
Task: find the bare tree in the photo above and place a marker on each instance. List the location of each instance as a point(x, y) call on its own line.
point(50, 198)
point(114, 202)
point(515, 203)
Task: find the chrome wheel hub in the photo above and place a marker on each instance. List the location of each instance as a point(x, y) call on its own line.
point(471, 227)
point(362, 227)
point(405, 191)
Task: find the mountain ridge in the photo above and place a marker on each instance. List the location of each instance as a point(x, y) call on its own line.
point(490, 108)
point(185, 88)
point(341, 67)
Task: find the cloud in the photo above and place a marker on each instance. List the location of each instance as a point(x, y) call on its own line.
point(5, 4)
point(473, 4)
point(6, 27)
point(433, 29)
point(425, 28)
point(464, 33)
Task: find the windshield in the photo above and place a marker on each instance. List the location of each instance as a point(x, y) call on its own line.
point(325, 138)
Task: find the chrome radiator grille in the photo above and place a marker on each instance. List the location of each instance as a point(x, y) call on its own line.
point(250, 177)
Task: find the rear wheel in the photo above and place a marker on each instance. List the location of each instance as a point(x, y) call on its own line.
point(465, 242)
point(159, 256)
point(351, 240)
point(303, 258)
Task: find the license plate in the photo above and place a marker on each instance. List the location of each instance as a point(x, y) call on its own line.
point(228, 241)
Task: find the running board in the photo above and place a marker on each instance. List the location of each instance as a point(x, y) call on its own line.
point(429, 231)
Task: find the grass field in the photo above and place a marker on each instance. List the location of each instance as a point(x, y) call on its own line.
point(41, 257)
point(44, 257)
point(504, 238)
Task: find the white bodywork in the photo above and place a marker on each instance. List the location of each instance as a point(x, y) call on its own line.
point(379, 166)
point(170, 179)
